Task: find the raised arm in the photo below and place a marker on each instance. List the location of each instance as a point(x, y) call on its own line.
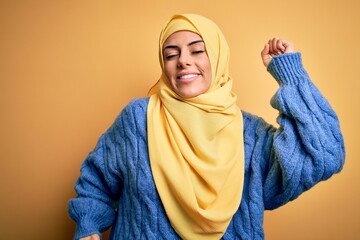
point(308, 146)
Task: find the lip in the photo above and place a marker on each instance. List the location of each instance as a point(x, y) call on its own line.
point(187, 77)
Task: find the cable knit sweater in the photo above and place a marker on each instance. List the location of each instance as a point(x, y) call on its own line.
point(116, 186)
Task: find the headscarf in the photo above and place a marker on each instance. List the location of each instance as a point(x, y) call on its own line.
point(196, 145)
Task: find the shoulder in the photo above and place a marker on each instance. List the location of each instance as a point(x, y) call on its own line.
point(133, 115)
point(136, 107)
point(137, 104)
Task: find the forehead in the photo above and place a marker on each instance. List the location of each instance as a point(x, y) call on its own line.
point(181, 37)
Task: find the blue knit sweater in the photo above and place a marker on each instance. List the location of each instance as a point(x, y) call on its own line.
point(116, 186)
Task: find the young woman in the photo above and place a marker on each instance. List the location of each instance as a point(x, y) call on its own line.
point(187, 163)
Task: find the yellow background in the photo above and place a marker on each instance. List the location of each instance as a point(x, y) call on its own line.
point(67, 68)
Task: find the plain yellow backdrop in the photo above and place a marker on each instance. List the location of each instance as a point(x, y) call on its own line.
point(67, 68)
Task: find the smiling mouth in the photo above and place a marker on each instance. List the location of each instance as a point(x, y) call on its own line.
point(187, 78)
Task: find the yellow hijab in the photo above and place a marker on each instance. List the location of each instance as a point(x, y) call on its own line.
point(196, 145)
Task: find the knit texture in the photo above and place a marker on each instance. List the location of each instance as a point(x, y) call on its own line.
point(116, 186)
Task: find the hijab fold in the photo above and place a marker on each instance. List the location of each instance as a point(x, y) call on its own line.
point(196, 145)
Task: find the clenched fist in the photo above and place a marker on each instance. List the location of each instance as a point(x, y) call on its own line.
point(275, 47)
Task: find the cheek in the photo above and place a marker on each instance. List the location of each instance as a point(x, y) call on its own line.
point(168, 70)
point(207, 70)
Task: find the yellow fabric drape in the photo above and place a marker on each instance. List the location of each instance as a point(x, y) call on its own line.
point(196, 145)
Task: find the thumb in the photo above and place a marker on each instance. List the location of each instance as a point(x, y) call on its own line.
point(265, 55)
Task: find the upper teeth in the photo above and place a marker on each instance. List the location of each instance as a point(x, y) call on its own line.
point(188, 76)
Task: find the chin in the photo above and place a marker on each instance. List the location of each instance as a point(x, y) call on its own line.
point(189, 92)
point(188, 95)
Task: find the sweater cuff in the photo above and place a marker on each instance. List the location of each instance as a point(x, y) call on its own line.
point(287, 69)
point(84, 230)
point(91, 217)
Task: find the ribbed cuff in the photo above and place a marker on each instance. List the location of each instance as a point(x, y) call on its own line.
point(83, 232)
point(287, 69)
point(91, 216)
point(87, 226)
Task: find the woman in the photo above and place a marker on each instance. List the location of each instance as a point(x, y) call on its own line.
point(187, 163)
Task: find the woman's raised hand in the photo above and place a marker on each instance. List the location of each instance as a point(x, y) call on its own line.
point(275, 47)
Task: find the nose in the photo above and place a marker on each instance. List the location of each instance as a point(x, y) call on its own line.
point(184, 60)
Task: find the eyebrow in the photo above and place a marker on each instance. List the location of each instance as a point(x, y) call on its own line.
point(189, 44)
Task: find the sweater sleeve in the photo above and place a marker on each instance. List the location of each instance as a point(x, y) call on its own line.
point(100, 184)
point(308, 146)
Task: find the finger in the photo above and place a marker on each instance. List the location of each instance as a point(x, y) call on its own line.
point(270, 46)
point(289, 47)
point(274, 42)
point(280, 46)
point(274, 47)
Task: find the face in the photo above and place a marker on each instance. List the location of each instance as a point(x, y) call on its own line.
point(187, 64)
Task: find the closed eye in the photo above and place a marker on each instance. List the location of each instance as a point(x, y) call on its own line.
point(171, 56)
point(198, 52)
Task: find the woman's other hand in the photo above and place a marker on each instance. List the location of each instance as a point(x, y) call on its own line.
point(275, 47)
point(92, 237)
